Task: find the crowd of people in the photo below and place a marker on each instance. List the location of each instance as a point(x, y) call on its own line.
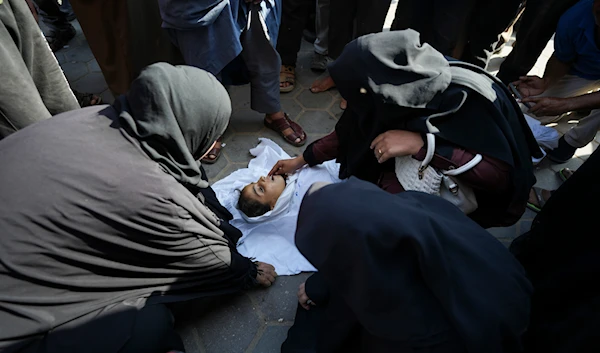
point(108, 220)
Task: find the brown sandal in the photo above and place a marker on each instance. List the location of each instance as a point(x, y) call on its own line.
point(216, 152)
point(279, 125)
point(287, 75)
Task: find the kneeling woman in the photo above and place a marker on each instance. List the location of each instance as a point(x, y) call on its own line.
point(398, 90)
point(105, 217)
point(403, 273)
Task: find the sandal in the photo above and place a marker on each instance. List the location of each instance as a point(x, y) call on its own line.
point(215, 152)
point(287, 75)
point(565, 174)
point(279, 125)
point(85, 99)
point(541, 201)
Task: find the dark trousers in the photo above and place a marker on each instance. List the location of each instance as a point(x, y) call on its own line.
point(367, 16)
point(52, 16)
point(537, 26)
point(293, 21)
point(440, 22)
point(489, 19)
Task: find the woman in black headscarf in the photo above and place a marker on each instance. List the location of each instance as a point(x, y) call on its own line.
point(106, 216)
point(398, 89)
point(403, 273)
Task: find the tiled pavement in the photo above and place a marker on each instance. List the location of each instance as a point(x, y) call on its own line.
point(258, 321)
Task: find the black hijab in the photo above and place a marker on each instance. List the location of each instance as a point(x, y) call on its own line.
point(392, 81)
point(406, 264)
point(176, 113)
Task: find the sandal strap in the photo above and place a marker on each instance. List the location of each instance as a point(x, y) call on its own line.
point(540, 198)
point(287, 78)
point(287, 69)
point(287, 123)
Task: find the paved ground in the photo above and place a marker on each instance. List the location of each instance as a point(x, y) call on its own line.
point(258, 321)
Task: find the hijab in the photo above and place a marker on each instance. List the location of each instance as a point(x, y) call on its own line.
point(176, 113)
point(393, 82)
point(408, 265)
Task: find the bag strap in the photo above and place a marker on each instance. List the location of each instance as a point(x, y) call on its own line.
point(452, 172)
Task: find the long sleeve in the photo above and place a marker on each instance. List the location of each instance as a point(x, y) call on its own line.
point(489, 174)
point(322, 150)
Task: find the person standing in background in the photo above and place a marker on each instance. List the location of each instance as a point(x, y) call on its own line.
point(538, 24)
point(571, 79)
point(60, 30)
point(125, 36)
point(34, 87)
point(238, 39)
point(294, 16)
point(349, 20)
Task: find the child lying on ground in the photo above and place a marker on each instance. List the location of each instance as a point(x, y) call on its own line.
point(265, 209)
point(261, 196)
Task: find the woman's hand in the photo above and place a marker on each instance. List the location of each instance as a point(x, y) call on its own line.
point(396, 143)
point(287, 166)
point(303, 299)
point(530, 86)
point(266, 274)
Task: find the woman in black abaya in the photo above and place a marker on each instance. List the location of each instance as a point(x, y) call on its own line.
point(403, 273)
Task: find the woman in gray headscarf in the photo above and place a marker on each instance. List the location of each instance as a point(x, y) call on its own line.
point(106, 216)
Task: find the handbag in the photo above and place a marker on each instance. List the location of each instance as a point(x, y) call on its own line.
point(419, 176)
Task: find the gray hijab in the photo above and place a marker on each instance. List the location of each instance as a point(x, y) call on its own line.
point(176, 113)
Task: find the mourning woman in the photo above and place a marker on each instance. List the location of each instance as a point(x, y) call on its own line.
point(403, 273)
point(398, 90)
point(105, 218)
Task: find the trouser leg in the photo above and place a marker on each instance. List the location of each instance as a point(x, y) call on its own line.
point(322, 26)
point(487, 23)
point(341, 25)
point(370, 16)
point(585, 131)
point(263, 64)
point(51, 15)
point(293, 20)
point(538, 24)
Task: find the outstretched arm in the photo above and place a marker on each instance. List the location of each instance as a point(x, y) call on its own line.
point(530, 86)
point(555, 106)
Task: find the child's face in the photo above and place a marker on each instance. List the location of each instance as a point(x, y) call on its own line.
point(266, 190)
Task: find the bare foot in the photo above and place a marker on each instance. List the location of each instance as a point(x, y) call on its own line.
point(533, 199)
point(279, 115)
point(322, 85)
point(343, 104)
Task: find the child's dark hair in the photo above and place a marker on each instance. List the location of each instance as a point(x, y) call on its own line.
point(251, 207)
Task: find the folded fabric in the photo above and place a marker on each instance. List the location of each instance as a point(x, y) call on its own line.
point(545, 136)
point(270, 237)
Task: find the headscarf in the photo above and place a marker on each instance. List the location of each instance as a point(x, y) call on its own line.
point(409, 265)
point(393, 82)
point(176, 113)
